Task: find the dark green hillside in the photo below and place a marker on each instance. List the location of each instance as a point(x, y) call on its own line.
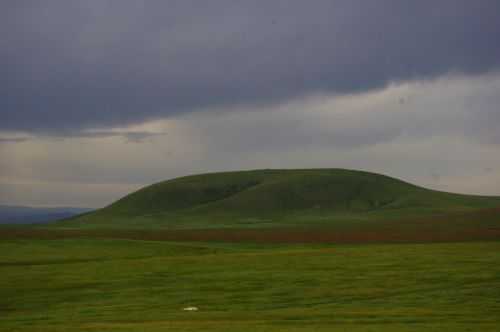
point(263, 198)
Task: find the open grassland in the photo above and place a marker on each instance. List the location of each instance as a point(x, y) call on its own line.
point(131, 285)
point(454, 227)
point(267, 250)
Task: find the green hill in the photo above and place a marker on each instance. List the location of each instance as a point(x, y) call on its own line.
point(278, 198)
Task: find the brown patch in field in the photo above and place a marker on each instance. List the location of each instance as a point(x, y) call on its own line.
point(276, 235)
point(446, 228)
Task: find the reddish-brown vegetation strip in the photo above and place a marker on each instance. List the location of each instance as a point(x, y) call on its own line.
point(471, 226)
point(258, 235)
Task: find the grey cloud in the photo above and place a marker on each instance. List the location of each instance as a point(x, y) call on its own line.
point(283, 130)
point(71, 65)
point(129, 136)
point(13, 139)
point(432, 140)
point(140, 137)
point(458, 107)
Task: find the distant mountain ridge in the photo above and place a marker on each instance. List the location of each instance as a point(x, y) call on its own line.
point(12, 214)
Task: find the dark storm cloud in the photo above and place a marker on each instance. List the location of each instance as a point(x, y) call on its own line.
point(70, 65)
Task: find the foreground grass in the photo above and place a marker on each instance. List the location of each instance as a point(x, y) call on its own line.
point(124, 285)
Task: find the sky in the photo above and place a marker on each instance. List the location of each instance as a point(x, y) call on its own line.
point(99, 98)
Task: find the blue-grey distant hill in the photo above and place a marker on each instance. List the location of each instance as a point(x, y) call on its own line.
point(35, 215)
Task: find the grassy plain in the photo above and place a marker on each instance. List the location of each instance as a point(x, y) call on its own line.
point(132, 285)
point(261, 251)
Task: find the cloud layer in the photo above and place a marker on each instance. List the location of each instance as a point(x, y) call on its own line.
point(73, 65)
point(432, 133)
point(101, 97)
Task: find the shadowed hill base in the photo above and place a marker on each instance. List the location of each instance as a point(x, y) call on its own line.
point(338, 198)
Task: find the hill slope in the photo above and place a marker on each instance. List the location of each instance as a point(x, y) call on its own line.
point(269, 198)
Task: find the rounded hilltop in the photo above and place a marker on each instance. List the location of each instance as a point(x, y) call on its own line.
point(277, 198)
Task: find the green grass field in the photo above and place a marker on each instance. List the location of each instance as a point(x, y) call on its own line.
point(124, 285)
point(269, 250)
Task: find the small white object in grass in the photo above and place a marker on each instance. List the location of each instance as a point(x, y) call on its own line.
point(190, 309)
